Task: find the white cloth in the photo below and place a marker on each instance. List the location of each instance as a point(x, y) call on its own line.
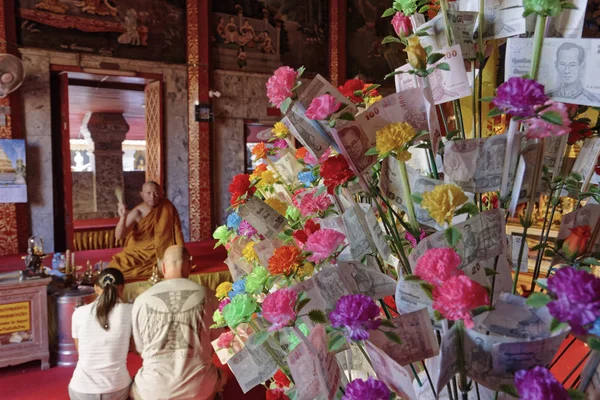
point(171, 329)
point(102, 365)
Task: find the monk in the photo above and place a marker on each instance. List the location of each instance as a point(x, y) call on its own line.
point(148, 230)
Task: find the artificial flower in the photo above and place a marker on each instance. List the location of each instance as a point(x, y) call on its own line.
point(595, 330)
point(370, 90)
point(277, 205)
point(408, 7)
point(279, 308)
point(238, 287)
point(402, 24)
point(442, 202)
point(218, 318)
point(260, 168)
point(491, 202)
point(222, 235)
point(280, 130)
point(311, 204)
point(280, 144)
point(539, 384)
point(301, 153)
point(234, 221)
point(222, 290)
point(266, 179)
point(579, 131)
point(547, 8)
point(310, 159)
point(293, 339)
point(248, 252)
point(417, 56)
point(323, 243)
point(302, 235)
point(372, 100)
point(395, 138)
point(223, 303)
point(281, 380)
point(520, 97)
point(412, 240)
point(225, 339)
point(246, 229)
point(438, 265)
point(577, 298)
point(577, 241)
point(276, 394)
point(292, 213)
point(371, 389)
point(306, 270)
point(284, 261)
point(457, 297)
point(335, 171)
point(256, 279)
point(350, 87)
point(356, 315)
point(240, 189)
point(239, 310)
point(307, 177)
point(260, 151)
point(538, 128)
point(280, 85)
point(322, 107)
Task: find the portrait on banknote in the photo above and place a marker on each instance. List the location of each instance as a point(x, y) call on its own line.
point(356, 143)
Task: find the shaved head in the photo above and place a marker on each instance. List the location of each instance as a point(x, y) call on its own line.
point(176, 262)
point(151, 193)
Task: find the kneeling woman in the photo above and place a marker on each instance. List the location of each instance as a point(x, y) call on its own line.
point(102, 332)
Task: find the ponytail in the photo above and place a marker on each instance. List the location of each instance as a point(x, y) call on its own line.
point(108, 281)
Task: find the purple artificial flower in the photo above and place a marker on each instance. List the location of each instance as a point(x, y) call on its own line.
point(356, 314)
point(539, 384)
point(520, 97)
point(577, 298)
point(411, 239)
point(246, 229)
point(280, 144)
point(371, 389)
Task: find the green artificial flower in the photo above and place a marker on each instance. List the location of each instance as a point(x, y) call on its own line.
point(546, 8)
point(256, 280)
point(218, 318)
point(222, 234)
point(293, 340)
point(292, 213)
point(239, 310)
point(407, 7)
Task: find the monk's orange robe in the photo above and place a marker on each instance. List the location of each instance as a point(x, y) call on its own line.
point(148, 240)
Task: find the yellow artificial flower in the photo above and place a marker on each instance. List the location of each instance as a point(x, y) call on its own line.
point(306, 270)
point(442, 202)
point(277, 205)
point(222, 290)
point(417, 56)
point(249, 253)
point(393, 138)
point(372, 100)
point(267, 178)
point(280, 130)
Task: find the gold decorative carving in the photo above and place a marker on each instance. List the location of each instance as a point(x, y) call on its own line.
point(153, 93)
point(334, 18)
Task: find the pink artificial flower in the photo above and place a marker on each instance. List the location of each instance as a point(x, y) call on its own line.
point(402, 24)
point(538, 128)
point(309, 204)
point(279, 308)
point(457, 297)
point(225, 340)
point(438, 265)
point(311, 160)
point(223, 303)
point(411, 239)
point(322, 107)
point(280, 144)
point(280, 85)
point(323, 243)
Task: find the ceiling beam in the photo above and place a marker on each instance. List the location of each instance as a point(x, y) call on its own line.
point(107, 85)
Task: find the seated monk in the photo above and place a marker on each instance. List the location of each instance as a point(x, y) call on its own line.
point(148, 230)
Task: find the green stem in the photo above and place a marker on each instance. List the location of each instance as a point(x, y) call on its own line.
point(444, 11)
point(543, 239)
point(414, 371)
point(458, 117)
point(538, 40)
point(272, 353)
point(431, 157)
point(365, 354)
point(460, 326)
point(494, 280)
point(410, 206)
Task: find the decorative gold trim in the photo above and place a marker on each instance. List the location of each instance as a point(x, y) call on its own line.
point(334, 18)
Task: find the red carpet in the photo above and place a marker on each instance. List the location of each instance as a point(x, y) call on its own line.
point(29, 382)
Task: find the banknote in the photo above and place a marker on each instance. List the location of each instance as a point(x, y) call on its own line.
point(445, 85)
point(462, 24)
point(568, 68)
point(262, 217)
point(418, 338)
point(362, 279)
point(390, 372)
point(514, 247)
point(590, 377)
point(514, 318)
point(364, 232)
point(524, 177)
point(554, 153)
point(237, 265)
point(476, 165)
point(503, 18)
point(569, 24)
point(586, 160)
point(355, 359)
point(265, 249)
point(315, 371)
point(410, 297)
point(445, 365)
point(308, 132)
point(288, 167)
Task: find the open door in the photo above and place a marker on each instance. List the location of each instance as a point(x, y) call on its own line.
point(154, 132)
point(66, 159)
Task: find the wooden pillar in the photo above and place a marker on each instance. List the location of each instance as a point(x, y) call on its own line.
point(337, 41)
point(199, 133)
point(13, 235)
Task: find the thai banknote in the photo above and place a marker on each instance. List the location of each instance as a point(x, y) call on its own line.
point(288, 167)
point(262, 217)
point(590, 377)
point(390, 372)
point(503, 18)
point(362, 279)
point(445, 85)
point(320, 86)
point(568, 67)
point(462, 25)
point(364, 232)
point(586, 160)
point(308, 132)
point(569, 24)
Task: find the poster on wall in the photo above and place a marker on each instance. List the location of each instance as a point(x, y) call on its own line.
point(13, 188)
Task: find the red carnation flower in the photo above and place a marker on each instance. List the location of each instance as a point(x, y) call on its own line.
point(301, 235)
point(240, 186)
point(579, 131)
point(335, 171)
point(276, 394)
point(281, 380)
point(351, 86)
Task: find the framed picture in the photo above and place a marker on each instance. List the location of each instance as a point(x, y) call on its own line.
point(13, 187)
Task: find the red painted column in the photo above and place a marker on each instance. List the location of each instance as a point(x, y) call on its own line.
point(337, 41)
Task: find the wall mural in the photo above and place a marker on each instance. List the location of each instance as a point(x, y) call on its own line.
point(366, 56)
point(152, 30)
point(260, 36)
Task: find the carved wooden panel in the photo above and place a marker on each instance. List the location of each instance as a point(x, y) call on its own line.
point(154, 136)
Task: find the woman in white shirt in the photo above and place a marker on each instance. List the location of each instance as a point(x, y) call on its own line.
point(102, 332)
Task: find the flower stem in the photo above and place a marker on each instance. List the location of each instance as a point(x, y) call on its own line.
point(272, 353)
point(410, 207)
point(460, 326)
point(538, 40)
point(362, 350)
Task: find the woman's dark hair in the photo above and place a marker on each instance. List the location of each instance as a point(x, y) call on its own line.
point(108, 280)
